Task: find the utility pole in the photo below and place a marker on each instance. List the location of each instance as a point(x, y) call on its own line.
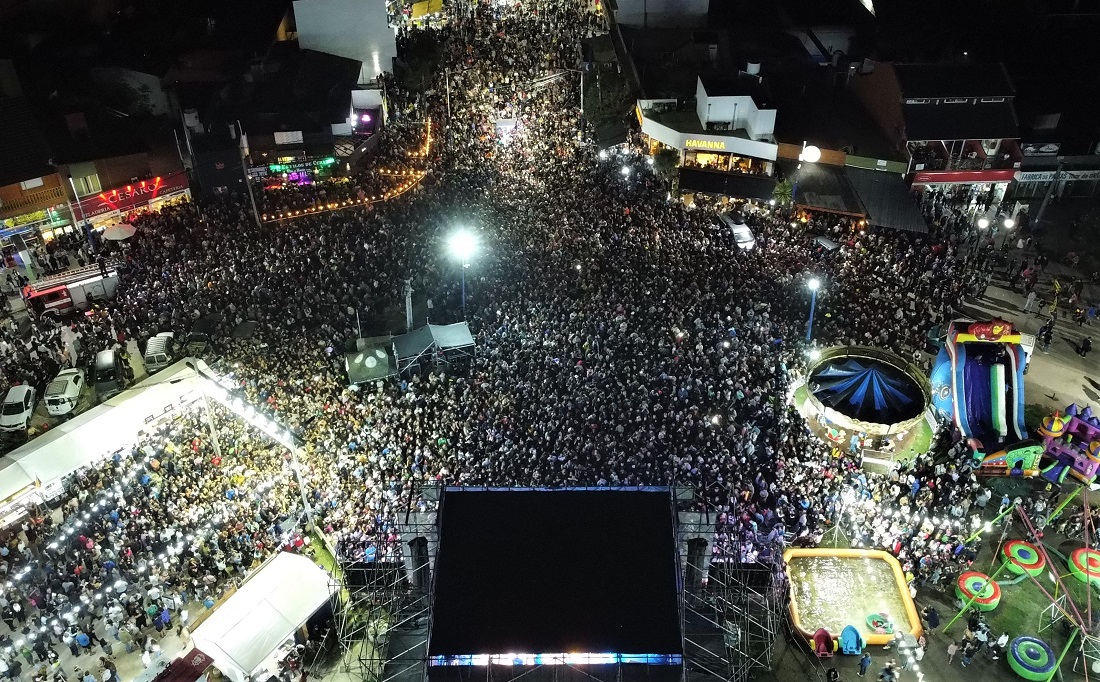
point(244, 171)
point(1050, 191)
point(447, 76)
point(408, 305)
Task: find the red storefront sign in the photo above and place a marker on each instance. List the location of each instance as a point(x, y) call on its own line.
point(134, 196)
point(929, 177)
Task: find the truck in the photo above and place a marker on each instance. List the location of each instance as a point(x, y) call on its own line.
point(59, 295)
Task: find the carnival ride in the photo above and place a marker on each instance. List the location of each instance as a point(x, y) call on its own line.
point(1029, 656)
point(978, 379)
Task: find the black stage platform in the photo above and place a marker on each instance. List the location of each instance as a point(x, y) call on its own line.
point(574, 578)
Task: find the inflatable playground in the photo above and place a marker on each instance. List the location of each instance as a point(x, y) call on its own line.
point(842, 599)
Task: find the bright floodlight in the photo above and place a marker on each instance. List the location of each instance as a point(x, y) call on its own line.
point(814, 354)
point(811, 154)
point(602, 154)
point(626, 170)
point(814, 284)
point(1009, 223)
point(463, 244)
point(771, 202)
point(983, 223)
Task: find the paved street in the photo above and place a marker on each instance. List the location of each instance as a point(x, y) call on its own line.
point(1060, 376)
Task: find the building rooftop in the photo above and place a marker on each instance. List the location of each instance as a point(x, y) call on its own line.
point(960, 121)
point(746, 86)
point(811, 106)
point(938, 81)
point(688, 122)
point(24, 153)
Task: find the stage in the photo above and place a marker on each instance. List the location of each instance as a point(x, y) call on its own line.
point(578, 583)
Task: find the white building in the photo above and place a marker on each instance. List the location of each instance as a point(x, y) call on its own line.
point(726, 145)
point(355, 29)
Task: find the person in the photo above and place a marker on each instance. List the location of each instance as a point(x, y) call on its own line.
point(1029, 304)
point(999, 646)
point(952, 649)
point(1085, 347)
point(968, 652)
point(832, 675)
point(931, 618)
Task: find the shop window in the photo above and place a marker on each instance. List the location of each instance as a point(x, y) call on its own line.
point(956, 100)
point(916, 101)
point(89, 184)
point(30, 184)
point(992, 100)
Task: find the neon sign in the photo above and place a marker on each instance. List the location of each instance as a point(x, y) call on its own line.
point(133, 196)
point(705, 144)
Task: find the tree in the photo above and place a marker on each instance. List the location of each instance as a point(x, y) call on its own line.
point(665, 162)
point(783, 192)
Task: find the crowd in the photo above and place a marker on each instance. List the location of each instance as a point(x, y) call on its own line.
point(623, 338)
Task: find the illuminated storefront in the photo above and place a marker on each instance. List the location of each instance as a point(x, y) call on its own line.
point(116, 205)
point(46, 223)
point(712, 162)
point(294, 171)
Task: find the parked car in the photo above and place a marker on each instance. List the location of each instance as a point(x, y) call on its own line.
point(109, 378)
point(18, 407)
point(159, 352)
point(63, 393)
point(742, 235)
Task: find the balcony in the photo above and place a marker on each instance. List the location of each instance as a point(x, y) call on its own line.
point(33, 201)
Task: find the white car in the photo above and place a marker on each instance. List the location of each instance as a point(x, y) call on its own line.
point(742, 235)
point(18, 408)
point(63, 393)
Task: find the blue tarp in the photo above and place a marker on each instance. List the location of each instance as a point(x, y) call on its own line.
point(867, 390)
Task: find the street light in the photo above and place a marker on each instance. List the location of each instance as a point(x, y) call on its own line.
point(625, 171)
point(1009, 223)
point(814, 284)
point(983, 223)
point(463, 244)
point(815, 354)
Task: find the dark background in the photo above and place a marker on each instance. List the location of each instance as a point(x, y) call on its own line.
point(555, 572)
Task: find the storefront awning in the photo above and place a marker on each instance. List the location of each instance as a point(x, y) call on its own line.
point(821, 187)
point(737, 185)
point(886, 199)
point(610, 135)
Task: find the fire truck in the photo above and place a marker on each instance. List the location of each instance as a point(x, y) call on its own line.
point(74, 290)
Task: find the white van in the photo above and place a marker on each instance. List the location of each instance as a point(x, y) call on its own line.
point(741, 232)
point(158, 352)
point(63, 393)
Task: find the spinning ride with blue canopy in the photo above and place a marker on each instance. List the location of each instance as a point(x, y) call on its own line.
point(867, 389)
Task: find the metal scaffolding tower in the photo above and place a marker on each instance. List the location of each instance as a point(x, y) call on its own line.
point(732, 609)
point(385, 605)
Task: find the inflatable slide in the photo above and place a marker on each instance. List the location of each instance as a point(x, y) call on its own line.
point(979, 381)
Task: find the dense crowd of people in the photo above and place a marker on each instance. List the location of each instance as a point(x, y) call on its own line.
point(623, 338)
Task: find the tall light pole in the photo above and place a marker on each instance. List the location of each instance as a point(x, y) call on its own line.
point(463, 244)
point(814, 284)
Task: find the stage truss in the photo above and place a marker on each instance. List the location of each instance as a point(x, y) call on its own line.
point(732, 610)
point(386, 603)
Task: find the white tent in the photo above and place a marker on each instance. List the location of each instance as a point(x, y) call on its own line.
point(91, 436)
point(272, 604)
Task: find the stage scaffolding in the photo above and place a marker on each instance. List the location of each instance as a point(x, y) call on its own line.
point(732, 609)
point(386, 602)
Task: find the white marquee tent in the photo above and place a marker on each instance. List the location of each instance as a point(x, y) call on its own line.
point(95, 434)
point(266, 611)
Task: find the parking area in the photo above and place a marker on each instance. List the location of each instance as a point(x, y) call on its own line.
point(42, 420)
